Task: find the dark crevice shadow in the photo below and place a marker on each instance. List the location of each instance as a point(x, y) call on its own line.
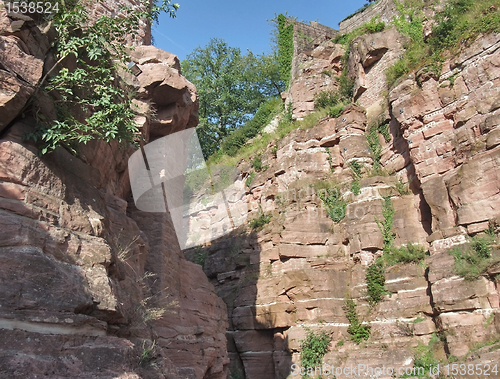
point(233, 265)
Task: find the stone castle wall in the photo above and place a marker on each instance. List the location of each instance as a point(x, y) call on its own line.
point(385, 9)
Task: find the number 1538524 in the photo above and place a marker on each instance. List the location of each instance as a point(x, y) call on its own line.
point(31, 7)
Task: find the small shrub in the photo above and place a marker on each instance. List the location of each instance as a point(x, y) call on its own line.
point(334, 203)
point(358, 332)
point(375, 280)
point(424, 358)
point(200, 256)
point(250, 177)
point(336, 110)
point(355, 187)
point(402, 188)
point(474, 258)
point(259, 222)
point(356, 168)
point(325, 99)
point(346, 86)
point(384, 130)
point(340, 343)
point(257, 163)
point(405, 254)
point(314, 347)
point(374, 26)
point(374, 146)
point(385, 226)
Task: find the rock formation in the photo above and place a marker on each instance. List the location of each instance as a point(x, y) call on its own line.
point(90, 287)
point(440, 169)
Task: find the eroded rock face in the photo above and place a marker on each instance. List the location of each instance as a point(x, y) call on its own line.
point(22, 51)
point(440, 169)
point(90, 287)
point(314, 72)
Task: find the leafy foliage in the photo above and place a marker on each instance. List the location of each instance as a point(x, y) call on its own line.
point(374, 146)
point(325, 99)
point(356, 168)
point(385, 226)
point(460, 21)
point(375, 280)
point(314, 347)
point(249, 179)
point(473, 259)
point(425, 357)
point(334, 203)
point(355, 187)
point(285, 48)
point(261, 220)
point(90, 103)
point(234, 141)
point(405, 254)
point(257, 163)
point(231, 88)
point(358, 332)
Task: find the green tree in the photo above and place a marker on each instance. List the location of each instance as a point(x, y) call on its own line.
point(231, 86)
point(90, 102)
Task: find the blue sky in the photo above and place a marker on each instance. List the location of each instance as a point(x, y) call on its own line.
point(242, 24)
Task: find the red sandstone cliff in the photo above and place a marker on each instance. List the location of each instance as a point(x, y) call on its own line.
point(443, 155)
point(90, 287)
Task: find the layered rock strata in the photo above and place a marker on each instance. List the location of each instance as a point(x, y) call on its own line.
point(440, 171)
point(90, 287)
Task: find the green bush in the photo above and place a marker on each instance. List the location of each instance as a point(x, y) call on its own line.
point(374, 26)
point(249, 179)
point(356, 168)
point(374, 146)
point(90, 104)
point(259, 222)
point(326, 99)
point(355, 187)
point(314, 347)
point(336, 110)
point(405, 254)
point(424, 358)
point(358, 331)
point(232, 143)
point(375, 280)
point(257, 163)
point(385, 226)
point(474, 258)
point(334, 203)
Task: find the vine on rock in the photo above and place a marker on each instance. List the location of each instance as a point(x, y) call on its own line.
point(91, 103)
point(285, 48)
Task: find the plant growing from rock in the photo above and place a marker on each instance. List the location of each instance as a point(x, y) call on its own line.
point(385, 226)
point(262, 219)
point(410, 253)
point(314, 347)
point(474, 258)
point(249, 179)
point(358, 331)
point(257, 163)
point(90, 103)
point(375, 281)
point(334, 203)
point(355, 187)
